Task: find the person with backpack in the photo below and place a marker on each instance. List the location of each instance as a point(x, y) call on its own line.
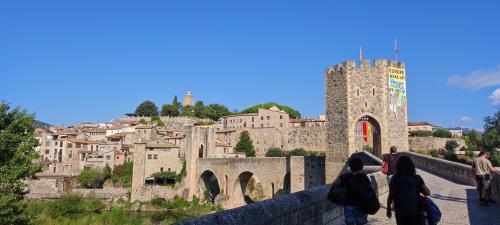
point(482, 169)
point(360, 198)
point(405, 188)
point(389, 163)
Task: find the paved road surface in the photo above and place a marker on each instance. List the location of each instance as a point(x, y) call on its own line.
point(458, 203)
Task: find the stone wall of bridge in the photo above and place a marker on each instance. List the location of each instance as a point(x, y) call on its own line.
point(306, 207)
point(457, 172)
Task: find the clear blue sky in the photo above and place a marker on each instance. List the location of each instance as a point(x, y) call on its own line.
point(72, 61)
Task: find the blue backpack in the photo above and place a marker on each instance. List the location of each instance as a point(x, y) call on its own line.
point(433, 212)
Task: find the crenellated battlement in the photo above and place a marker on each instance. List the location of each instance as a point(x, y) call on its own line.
point(365, 64)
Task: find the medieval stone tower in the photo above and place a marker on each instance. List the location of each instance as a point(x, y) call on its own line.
point(361, 95)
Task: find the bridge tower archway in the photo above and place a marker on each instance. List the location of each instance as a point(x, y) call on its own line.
point(368, 135)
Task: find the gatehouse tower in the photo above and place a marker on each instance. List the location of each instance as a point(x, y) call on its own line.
point(365, 109)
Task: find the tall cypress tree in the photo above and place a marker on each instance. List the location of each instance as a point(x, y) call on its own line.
point(245, 144)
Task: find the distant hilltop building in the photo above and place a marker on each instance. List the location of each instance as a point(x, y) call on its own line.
point(188, 99)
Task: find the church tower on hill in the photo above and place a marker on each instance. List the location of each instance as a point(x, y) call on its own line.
point(188, 99)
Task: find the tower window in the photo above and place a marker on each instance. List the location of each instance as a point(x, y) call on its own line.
point(357, 90)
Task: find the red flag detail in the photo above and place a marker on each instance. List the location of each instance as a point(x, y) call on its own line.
point(365, 131)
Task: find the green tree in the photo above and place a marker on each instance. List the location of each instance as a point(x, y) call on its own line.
point(216, 111)
point(275, 152)
point(291, 112)
point(158, 121)
point(199, 109)
point(176, 105)
point(245, 144)
point(450, 147)
point(187, 111)
point(106, 172)
point(143, 121)
point(490, 140)
point(91, 178)
point(122, 174)
point(147, 108)
point(17, 150)
point(442, 133)
point(168, 110)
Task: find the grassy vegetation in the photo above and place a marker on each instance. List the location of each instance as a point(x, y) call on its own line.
point(74, 210)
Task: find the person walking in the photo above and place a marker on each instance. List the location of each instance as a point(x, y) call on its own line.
point(405, 188)
point(389, 163)
point(353, 214)
point(482, 169)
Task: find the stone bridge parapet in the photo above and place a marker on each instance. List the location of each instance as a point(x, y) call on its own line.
point(454, 171)
point(306, 207)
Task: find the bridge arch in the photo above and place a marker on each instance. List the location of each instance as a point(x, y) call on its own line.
point(247, 189)
point(208, 186)
point(284, 185)
point(367, 132)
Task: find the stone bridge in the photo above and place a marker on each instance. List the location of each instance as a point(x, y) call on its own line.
point(238, 181)
point(451, 185)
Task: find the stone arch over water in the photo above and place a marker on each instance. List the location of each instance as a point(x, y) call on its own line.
point(208, 185)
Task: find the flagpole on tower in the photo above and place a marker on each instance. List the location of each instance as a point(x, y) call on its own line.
point(396, 48)
point(360, 55)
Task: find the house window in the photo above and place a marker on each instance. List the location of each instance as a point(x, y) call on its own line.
point(78, 145)
point(161, 169)
point(268, 117)
point(281, 124)
point(69, 145)
point(281, 117)
point(46, 151)
point(261, 125)
point(61, 144)
point(117, 157)
point(155, 156)
point(149, 156)
point(261, 118)
point(357, 91)
point(253, 119)
point(373, 91)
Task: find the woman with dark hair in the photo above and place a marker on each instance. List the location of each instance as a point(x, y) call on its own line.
point(353, 214)
point(404, 191)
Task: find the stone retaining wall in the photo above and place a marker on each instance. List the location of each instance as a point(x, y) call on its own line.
point(429, 143)
point(301, 208)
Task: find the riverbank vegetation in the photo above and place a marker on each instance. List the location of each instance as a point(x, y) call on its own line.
point(75, 210)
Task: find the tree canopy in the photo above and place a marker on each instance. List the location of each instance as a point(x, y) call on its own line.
point(147, 108)
point(292, 112)
point(17, 150)
point(245, 144)
point(216, 111)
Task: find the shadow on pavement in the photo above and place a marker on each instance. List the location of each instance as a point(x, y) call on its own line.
point(480, 215)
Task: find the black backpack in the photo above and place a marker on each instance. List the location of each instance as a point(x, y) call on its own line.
point(368, 198)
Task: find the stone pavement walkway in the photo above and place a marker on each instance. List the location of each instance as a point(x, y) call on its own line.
point(458, 204)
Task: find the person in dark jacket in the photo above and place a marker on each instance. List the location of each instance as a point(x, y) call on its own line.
point(353, 215)
point(390, 160)
point(404, 191)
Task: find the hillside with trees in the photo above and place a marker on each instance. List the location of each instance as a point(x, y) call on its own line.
point(292, 112)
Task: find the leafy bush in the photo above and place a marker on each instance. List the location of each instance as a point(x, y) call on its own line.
point(95, 205)
point(297, 152)
point(275, 152)
point(421, 133)
point(92, 177)
point(159, 202)
point(164, 177)
point(367, 148)
point(122, 174)
point(71, 206)
point(442, 133)
point(434, 153)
